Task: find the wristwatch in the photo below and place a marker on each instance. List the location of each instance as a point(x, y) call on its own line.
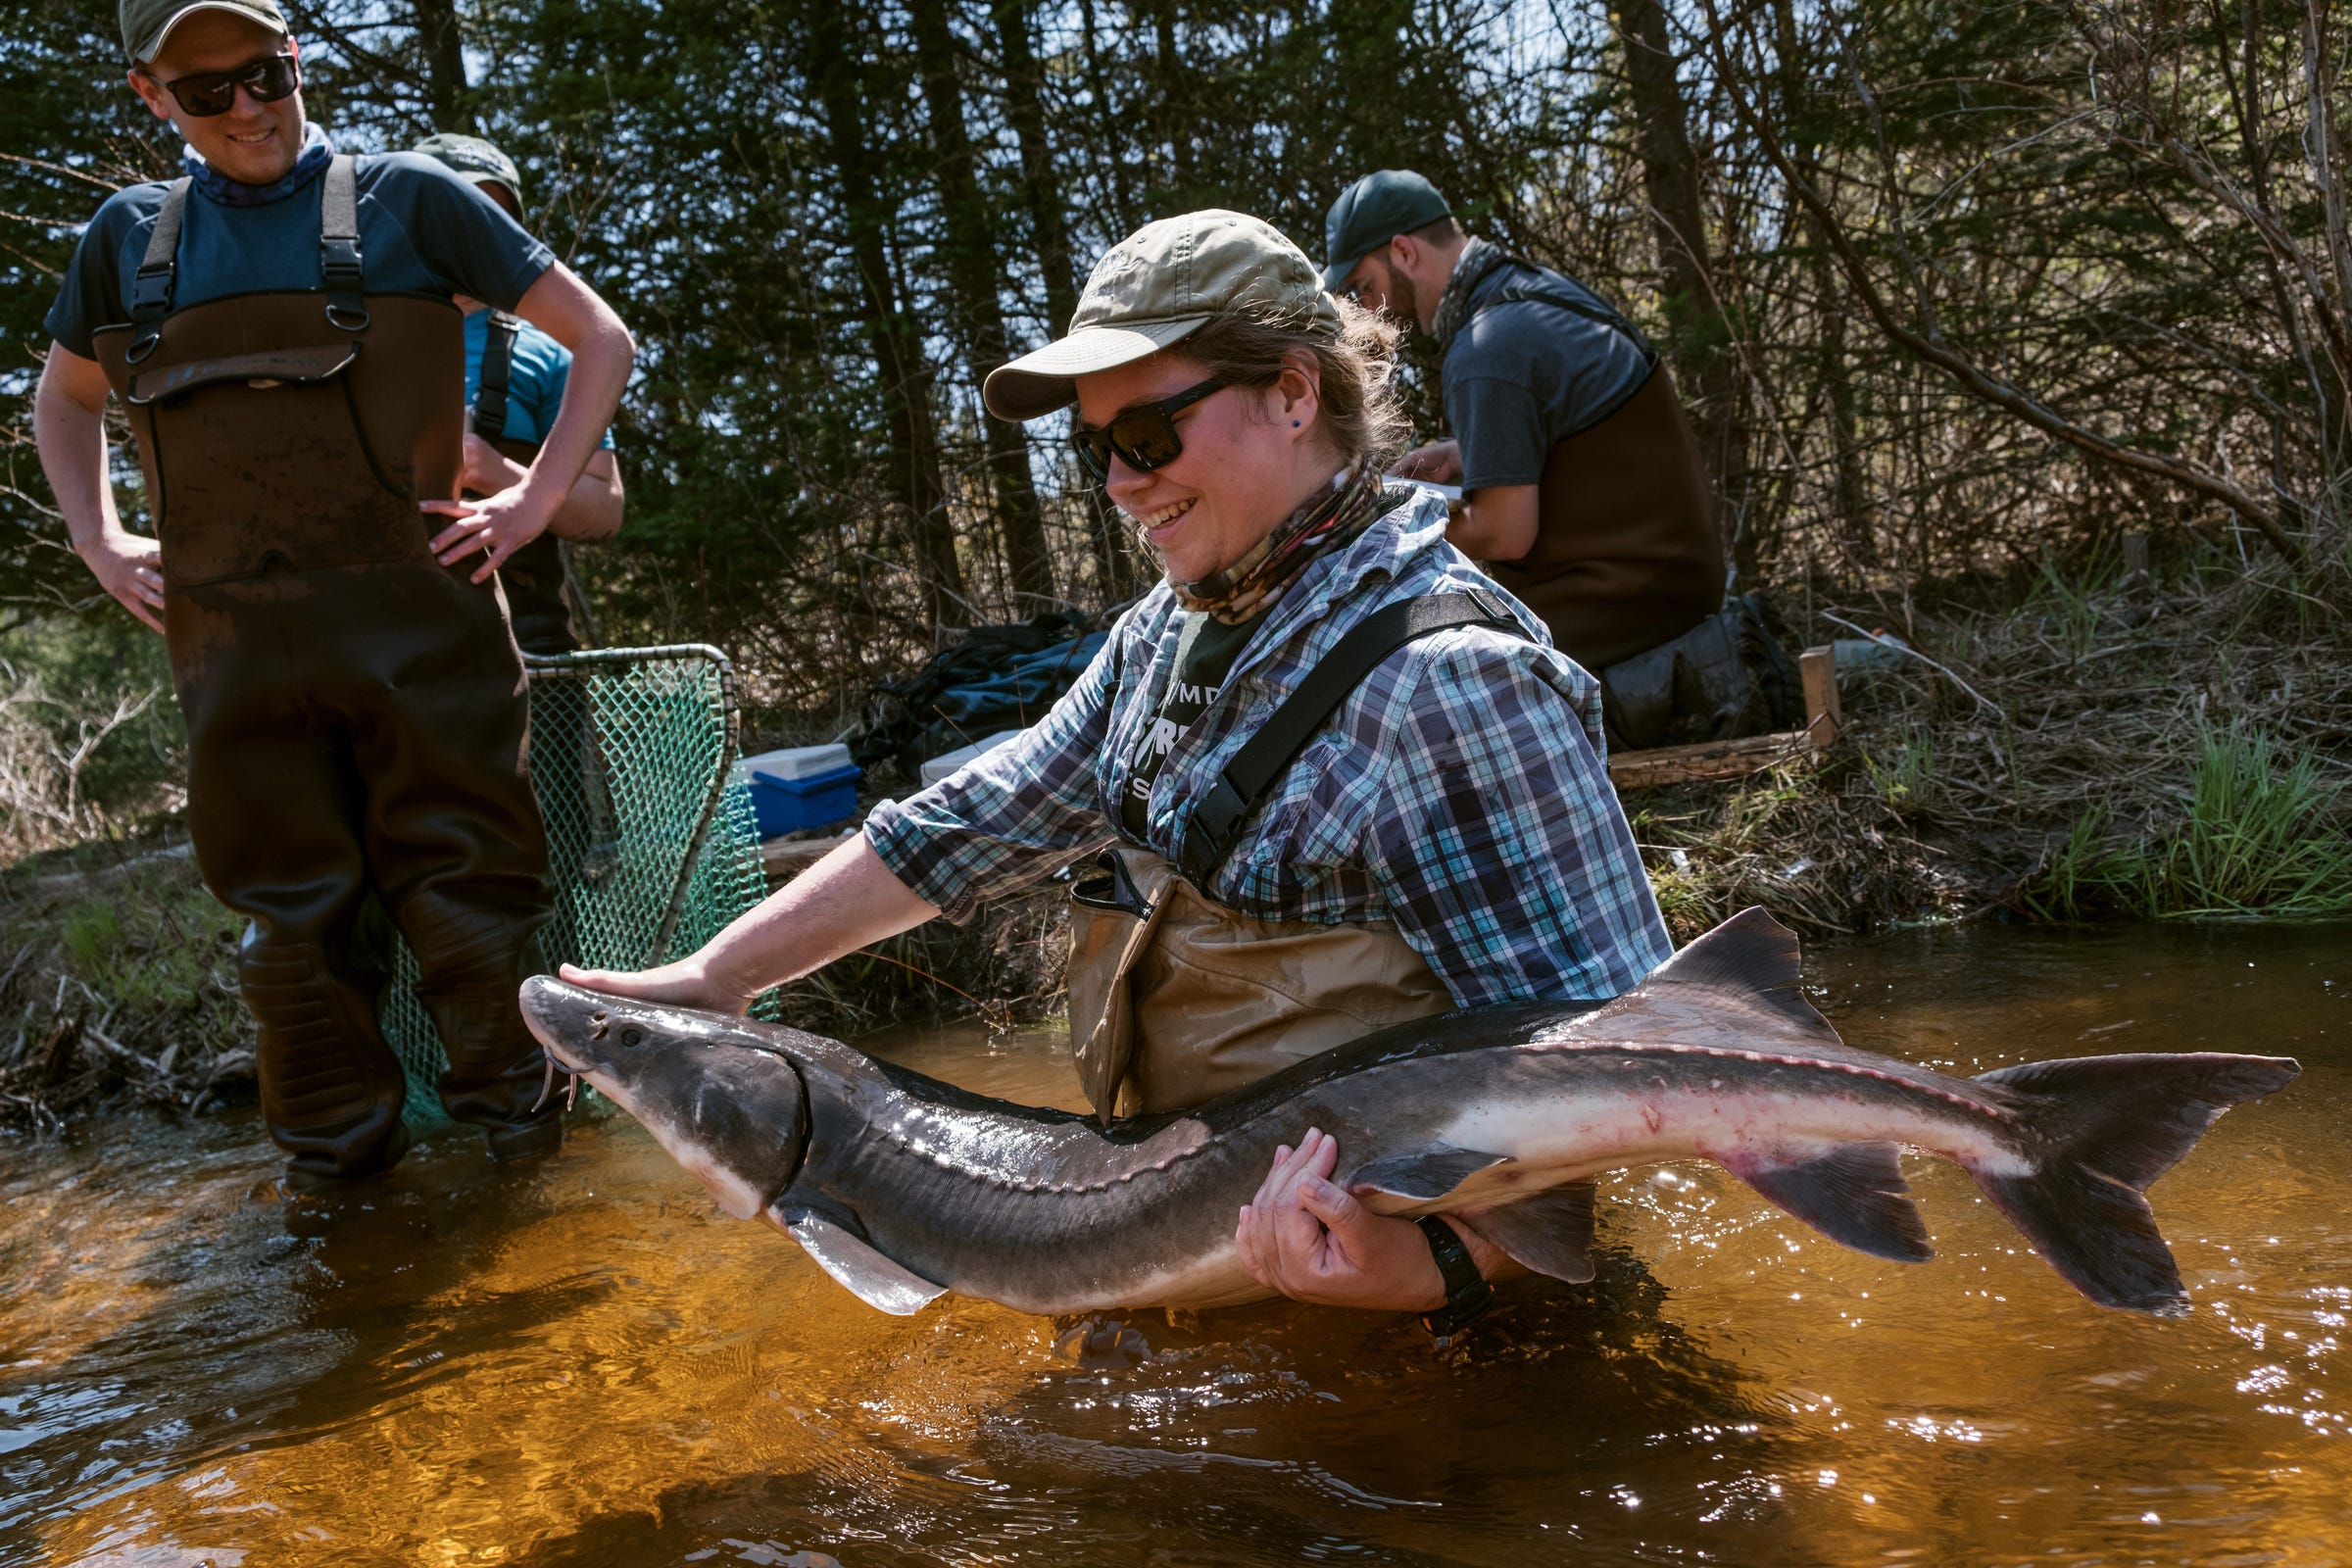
point(1467, 1292)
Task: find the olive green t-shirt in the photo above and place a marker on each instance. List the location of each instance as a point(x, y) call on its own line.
point(1204, 654)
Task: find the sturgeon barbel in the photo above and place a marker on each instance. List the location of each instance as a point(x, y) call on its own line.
point(903, 1188)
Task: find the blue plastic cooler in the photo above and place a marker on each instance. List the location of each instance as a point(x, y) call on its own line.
point(793, 804)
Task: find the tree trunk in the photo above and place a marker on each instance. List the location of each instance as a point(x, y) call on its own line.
point(1024, 107)
point(1856, 520)
point(838, 74)
point(1172, 124)
point(969, 251)
point(1707, 365)
point(447, 93)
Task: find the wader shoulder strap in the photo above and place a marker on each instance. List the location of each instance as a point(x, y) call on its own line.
point(339, 269)
point(1217, 821)
point(1592, 309)
point(498, 370)
point(159, 265)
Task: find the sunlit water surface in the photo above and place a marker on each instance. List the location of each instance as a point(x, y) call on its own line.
point(589, 1364)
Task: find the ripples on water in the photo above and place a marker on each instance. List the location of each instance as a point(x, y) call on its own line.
point(589, 1365)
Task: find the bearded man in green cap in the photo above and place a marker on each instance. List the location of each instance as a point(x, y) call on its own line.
point(279, 324)
point(1582, 489)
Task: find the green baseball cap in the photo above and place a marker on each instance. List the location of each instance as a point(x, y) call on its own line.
point(476, 162)
point(1149, 290)
point(147, 22)
point(1374, 211)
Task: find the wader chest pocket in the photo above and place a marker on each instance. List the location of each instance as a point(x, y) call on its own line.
point(274, 367)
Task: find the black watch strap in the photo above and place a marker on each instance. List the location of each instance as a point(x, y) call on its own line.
point(1467, 1292)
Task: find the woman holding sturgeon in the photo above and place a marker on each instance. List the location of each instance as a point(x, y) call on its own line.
point(1335, 778)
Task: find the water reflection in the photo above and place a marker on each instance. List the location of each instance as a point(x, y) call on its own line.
point(589, 1365)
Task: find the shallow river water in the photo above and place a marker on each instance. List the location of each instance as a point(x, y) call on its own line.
point(590, 1365)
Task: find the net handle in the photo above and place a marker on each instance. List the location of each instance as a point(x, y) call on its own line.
point(573, 666)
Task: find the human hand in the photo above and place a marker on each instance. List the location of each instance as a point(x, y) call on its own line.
point(489, 470)
point(1439, 463)
point(130, 567)
point(687, 983)
point(498, 525)
point(1313, 1241)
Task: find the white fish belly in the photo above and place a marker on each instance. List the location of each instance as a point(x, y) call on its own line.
point(1569, 1138)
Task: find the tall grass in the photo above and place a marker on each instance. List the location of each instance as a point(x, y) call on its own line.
point(2263, 836)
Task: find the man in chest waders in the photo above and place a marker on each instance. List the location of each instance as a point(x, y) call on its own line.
point(1581, 487)
point(279, 328)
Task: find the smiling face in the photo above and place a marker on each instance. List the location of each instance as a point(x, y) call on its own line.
point(1246, 465)
point(254, 143)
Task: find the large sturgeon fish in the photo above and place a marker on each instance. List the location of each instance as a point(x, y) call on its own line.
point(903, 1188)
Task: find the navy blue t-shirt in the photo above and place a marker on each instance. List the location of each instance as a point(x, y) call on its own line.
point(422, 230)
point(1524, 376)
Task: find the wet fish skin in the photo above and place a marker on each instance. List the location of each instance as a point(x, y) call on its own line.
point(903, 1188)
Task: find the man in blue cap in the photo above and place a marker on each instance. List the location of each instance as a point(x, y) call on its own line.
point(1581, 487)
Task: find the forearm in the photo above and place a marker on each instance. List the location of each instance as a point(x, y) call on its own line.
point(592, 507)
point(602, 354)
point(846, 900)
point(72, 439)
point(1495, 523)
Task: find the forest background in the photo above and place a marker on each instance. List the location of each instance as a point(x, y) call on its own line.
point(2017, 330)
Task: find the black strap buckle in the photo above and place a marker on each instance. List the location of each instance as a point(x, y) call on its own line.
point(1210, 835)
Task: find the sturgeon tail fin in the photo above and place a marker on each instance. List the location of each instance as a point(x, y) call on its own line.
point(2100, 1129)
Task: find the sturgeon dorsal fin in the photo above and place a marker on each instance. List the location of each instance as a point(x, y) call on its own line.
point(1854, 1194)
point(1423, 1174)
point(1550, 1233)
point(1736, 979)
point(858, 1268)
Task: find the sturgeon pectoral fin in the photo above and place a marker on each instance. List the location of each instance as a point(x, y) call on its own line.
point(1424, 1173)
point(1550, 1233)
point(858, 1268)
point(1851, 1193)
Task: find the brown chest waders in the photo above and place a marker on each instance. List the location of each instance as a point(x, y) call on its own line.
point(356, 715)
point(1174, 998)
point(1626, 555)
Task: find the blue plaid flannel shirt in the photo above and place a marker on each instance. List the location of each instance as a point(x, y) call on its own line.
point(1459, 793)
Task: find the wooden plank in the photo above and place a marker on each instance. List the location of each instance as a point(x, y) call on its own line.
point(785, 858)
point(1709, 759)
point(1750, 753)
point(1818, 666)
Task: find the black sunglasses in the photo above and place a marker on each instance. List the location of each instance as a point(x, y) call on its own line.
point(214, 92)
point(1144, 437)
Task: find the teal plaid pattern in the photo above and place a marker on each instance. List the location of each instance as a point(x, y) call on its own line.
point(1461, 792)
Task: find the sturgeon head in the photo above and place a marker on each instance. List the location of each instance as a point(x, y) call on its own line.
point(723, 1101)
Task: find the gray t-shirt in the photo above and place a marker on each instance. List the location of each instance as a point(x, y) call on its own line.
point(1523, 377)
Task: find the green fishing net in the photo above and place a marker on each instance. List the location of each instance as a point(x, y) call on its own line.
point(652, 847)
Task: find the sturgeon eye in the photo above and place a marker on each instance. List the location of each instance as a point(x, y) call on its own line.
point(631, 1037)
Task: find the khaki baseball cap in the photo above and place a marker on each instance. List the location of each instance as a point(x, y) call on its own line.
point(1154, 287)
point(147, 22)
